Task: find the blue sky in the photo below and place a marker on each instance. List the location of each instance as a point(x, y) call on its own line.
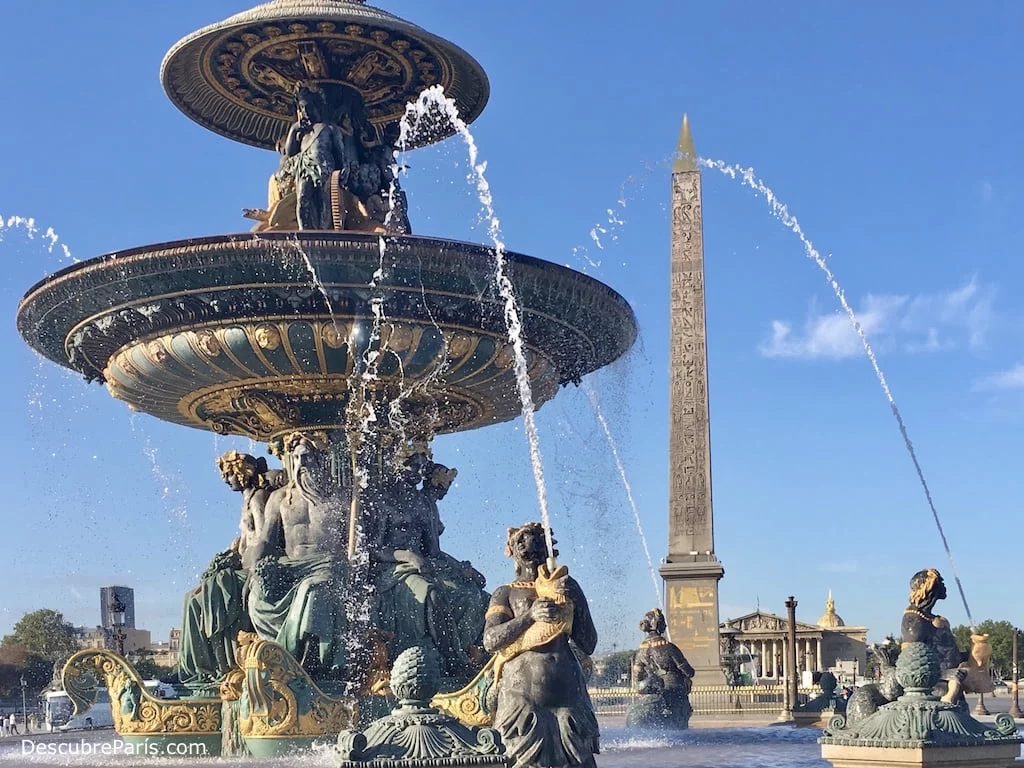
point(890, 133)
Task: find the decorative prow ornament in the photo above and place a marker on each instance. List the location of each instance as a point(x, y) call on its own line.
point(138, 716)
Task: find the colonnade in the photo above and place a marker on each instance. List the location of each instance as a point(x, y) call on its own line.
point(773, 655)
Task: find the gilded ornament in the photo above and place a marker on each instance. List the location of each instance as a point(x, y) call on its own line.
point(397, 337)
point(135, 711)
point(267, 336)
point(156, 352)
point(335, 335)
point(207, 343)
point(272, 709)
point(504, 357)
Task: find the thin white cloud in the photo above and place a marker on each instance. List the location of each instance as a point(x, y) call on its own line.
point(1012, 378)
point(916, 324)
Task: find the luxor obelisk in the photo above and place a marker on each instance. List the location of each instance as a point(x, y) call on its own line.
point(691, 571)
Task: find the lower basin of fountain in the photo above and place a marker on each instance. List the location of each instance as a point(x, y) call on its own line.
point(256, 335)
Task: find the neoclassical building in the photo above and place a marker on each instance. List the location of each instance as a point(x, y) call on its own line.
point(761, 638)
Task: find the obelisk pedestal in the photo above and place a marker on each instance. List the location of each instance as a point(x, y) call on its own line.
point(691, 571)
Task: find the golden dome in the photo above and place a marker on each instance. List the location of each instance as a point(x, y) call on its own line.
point(831, 619)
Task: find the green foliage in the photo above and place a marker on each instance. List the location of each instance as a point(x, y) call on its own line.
point(1000, 637)
point(17, 663)
point(612, 667)
point(147, 668)
point(44, 633)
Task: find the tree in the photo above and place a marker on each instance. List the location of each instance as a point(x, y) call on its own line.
point(1000, 637)
point(44, 633)
point(613, 666)
point(16, 663)
point(147, 668)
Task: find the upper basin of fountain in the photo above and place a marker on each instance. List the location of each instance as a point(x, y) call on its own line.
point(227, 333)
point(238, 77)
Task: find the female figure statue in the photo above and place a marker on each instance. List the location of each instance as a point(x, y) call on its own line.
point(543, 710)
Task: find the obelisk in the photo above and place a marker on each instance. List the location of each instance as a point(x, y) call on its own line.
point(691, 571)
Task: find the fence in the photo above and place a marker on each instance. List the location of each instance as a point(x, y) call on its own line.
point(708, 699)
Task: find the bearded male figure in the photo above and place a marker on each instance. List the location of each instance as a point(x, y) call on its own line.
point(215, 611)
point(296, 596)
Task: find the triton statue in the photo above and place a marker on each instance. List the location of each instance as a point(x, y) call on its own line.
point(927, 710)
point(543, 713)
point(663, 677)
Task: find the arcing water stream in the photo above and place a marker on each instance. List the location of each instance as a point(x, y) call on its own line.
point(781, 212)
point(434, 97)
point(592, 396)
point(28, 224)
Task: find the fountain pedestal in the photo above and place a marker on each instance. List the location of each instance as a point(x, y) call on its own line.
point(990, 756)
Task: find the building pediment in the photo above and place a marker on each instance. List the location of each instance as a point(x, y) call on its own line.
point(760, 621)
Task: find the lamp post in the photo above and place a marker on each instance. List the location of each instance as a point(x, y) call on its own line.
point(24, 707)
point(1015, 706)
point(117, 609)
point(791, 673)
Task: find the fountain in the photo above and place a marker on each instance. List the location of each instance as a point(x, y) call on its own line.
point(927, 721)
point(344, 343)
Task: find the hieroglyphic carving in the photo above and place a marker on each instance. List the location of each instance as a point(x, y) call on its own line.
point(690, 487)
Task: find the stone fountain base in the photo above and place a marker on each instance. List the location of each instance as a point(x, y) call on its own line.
point(981, 756)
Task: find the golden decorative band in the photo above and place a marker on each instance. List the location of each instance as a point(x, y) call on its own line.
point(498, 610)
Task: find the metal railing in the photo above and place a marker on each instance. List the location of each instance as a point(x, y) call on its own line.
point(708, 699)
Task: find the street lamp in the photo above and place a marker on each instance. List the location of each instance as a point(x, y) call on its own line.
point(1015, 706)
point(117, 609)
point(24, 708)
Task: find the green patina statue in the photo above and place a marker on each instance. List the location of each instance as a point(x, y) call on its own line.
point(424, 595)
point(296, 594)
point(925, 714)
point(543, 712)
point(214, 611)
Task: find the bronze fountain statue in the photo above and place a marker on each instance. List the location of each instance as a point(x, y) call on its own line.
point(927, 712)
point(663, 677)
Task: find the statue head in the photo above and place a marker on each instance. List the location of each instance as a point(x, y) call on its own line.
point(438, 480)
point(309, 103)
point(240, 470)
point(526, 544)
point(414, 468)
point(926, 589)
point(306, 463)
point(653, 621)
